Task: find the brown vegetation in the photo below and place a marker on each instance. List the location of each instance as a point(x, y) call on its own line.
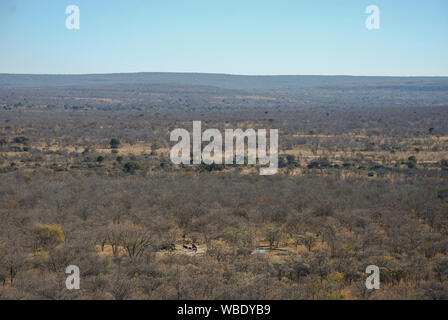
point(356, 186)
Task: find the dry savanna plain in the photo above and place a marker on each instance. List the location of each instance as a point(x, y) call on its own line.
point(86, 179)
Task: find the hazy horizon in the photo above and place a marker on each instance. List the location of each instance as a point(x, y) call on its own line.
point(227, 74)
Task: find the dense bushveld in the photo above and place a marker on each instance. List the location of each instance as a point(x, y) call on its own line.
point(84, 185)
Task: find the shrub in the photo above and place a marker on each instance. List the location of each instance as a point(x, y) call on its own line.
point(440, 268)
point(131, 166)
point(336, 277)
point(21, 139)
point(49, 235)
point(308, 240)
point(323, 210)
point(319, 163)
point(211, 167)
point(434, 291)
point(272, 234)
point(443, 194)
point(443, 163)
point(114, 143)
point(412, 162)
point(282, 162)
point(15, 149)
point(156, 146)
point(335, 296)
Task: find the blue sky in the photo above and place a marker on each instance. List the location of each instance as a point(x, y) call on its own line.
point(238, 37)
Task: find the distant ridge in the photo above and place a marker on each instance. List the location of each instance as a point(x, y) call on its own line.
point(226, 81)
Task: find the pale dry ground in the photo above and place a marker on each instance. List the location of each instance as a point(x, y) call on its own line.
point(284, 249)
point(107, 252)
point(239, 97)
point(303, 153)
point(423, 156)
point(135, 149)
point(106, 100)
point(377, 156)
point(126, 148)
